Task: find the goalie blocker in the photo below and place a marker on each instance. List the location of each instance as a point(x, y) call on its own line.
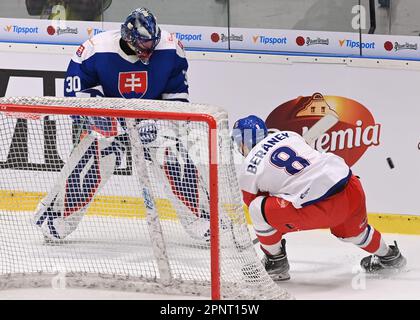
point(101, 150)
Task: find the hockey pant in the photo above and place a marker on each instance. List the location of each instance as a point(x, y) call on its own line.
point(343, 213)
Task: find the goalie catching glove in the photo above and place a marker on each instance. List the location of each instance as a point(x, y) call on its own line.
point(147, 130)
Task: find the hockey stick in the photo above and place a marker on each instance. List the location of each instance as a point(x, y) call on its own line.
point(152, 217)
point(318, 129)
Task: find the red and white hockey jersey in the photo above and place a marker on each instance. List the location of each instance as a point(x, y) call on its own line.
point(284, 165)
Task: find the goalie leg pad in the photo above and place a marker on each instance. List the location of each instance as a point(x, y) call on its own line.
point(187, 187)
point(61, 217)
point(183, 178)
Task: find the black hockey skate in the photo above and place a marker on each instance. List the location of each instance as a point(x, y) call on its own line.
point(277, 266)
point(392, 261)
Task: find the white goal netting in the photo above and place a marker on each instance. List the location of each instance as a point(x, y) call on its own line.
point(115, 193)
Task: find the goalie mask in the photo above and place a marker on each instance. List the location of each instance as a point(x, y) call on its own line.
point(141, 32)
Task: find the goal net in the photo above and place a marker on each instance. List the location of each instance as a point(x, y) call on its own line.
point(137, 195)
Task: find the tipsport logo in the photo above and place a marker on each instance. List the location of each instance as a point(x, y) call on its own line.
point(21, 30)
point(187, 37)
point(356, 44)
point(350, 138)
point(93, 31)
point(269, 40)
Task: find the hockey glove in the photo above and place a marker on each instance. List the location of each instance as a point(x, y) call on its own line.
point(147, 131)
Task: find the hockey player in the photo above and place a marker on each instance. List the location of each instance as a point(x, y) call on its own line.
point(138, 61)
point(288, 186)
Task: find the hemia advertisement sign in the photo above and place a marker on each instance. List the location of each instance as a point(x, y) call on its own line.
point(354, 133)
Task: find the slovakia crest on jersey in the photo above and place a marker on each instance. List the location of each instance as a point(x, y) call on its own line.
point(132, 84)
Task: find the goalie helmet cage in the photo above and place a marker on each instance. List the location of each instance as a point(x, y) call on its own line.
point(169, 220)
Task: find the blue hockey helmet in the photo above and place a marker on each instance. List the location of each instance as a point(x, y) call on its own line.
point(141, 32)
point(247, 132)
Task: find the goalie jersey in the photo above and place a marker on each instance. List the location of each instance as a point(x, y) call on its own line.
point(102, 61)
point(284, 165)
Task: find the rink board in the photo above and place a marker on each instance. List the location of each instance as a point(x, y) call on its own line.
point(133, 207)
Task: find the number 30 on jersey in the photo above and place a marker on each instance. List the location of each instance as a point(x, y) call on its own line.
point(73, 84)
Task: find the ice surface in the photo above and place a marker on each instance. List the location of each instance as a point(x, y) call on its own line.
point(322, 267)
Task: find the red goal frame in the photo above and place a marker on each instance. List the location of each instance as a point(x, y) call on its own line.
point(144, 114)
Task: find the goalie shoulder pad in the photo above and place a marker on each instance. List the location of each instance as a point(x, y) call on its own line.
point(105, 42)
point(169, 41)
point(84, 52)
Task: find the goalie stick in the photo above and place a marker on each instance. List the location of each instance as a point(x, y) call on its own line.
point(318, 129)
point(152, 217)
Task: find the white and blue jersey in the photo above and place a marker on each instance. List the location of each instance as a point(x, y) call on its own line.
point(102, 61)
point(284, 165)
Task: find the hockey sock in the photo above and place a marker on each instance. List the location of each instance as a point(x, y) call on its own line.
point(370, 240)
point(269, 237)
